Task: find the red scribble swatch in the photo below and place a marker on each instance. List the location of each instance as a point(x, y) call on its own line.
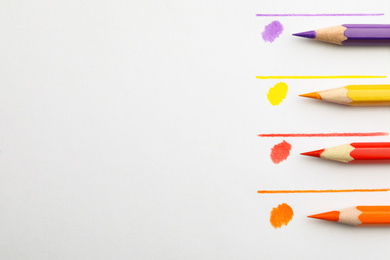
point(324, 134)
point(280, 152)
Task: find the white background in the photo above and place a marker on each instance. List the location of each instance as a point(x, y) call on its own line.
point(128, 131)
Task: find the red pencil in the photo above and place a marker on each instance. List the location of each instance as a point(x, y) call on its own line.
point(355, 153)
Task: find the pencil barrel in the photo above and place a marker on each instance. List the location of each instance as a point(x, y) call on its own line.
point(366, 34)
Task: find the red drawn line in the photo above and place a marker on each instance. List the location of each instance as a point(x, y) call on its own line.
point(324, 134)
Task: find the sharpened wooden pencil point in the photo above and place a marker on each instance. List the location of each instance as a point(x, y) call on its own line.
point(329, 216)
point(308, 34)
point(314, 95)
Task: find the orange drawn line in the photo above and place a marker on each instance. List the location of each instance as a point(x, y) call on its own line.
point(321, 191)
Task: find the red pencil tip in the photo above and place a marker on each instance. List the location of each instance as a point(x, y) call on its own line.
point(311, 95)
point(316, 153)
point(329, 216)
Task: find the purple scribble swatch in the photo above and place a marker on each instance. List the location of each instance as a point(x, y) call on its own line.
point(272, 31)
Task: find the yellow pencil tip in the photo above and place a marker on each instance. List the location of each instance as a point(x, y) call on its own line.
point(311, 95)
point(330, 216)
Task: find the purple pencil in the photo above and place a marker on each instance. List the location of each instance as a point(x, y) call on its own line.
point(351, 34)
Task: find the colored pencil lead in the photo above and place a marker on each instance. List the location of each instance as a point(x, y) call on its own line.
point(308, 34)
point(314, 95)
point(330, 216)
point(316, 153)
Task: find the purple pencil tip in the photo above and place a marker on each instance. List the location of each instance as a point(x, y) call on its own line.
point(308, 34)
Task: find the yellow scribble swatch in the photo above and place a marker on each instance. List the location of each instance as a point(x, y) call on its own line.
point(277, 93)
point(281, 215)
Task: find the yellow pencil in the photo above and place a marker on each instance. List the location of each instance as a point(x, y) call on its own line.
point(355, 95)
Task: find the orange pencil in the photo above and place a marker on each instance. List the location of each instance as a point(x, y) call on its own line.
point(358, 216)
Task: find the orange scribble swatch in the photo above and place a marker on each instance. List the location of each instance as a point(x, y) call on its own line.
point(280, 152)
point(281, 215)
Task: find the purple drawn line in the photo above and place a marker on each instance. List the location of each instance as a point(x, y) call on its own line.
point(378, 14)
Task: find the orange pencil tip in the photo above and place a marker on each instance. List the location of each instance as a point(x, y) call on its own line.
point(316, 153)
point(311, 95)
point(329, 216)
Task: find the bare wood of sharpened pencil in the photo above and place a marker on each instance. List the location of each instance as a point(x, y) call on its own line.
point(333, 34)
